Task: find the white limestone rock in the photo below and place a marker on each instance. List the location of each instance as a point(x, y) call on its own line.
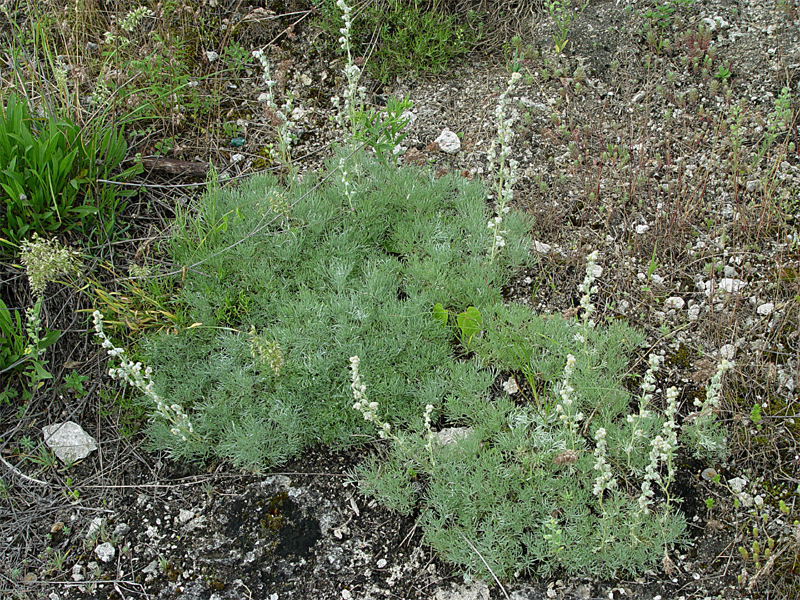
point(448, 142)
point(69, 441)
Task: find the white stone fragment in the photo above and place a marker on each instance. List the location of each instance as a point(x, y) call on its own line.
point(448, 142)
point(409, 117)
point(211, 55)
point(69, 441)
point(94, 527)
point(477, 590)
point(451, 435)
point(382, 563)
point(710, 24)
point(184, 516)
point(105, 552)
point(728, 351)
point(765, 309)
point(694, 312)
point(726, 284)
point(640, 229)
point(674, 302)
point(541, 247)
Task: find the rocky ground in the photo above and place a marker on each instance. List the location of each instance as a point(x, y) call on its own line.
point(625, 146)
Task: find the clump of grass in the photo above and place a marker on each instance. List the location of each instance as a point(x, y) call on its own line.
point(412, 37)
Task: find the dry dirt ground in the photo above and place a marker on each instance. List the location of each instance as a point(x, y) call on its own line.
point(624, 146)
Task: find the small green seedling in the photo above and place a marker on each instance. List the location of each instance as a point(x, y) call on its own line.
point(469, 322)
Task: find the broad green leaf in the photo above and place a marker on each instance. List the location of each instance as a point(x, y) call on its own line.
point(440, 314)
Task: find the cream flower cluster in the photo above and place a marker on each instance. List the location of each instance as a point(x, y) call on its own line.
point(44, 260)
point(564, 408)
point(367, 408)
point(605, 480)
point(662, 450)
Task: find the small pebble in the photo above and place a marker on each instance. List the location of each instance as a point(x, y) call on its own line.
point(765, 309)
point(708, 474)
point(674, 302)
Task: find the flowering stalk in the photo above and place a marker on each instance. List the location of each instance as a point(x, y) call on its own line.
point(587, 289)
point(648, 386)
point(33, 325)
point(564, 407)
point(429, 435)
point(714, 391)
point(370, 412)
point(280, 116)
point(132, 374)
point(701, 425)
point(662, 449)
point(605, 480)
point(502, 168)
point(354, 94)
point(367, 408)
point(349, 189)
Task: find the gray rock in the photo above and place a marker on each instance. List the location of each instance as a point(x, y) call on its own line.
point(121, 530)
point(69, 441)
point(694, 312)
point(409, 117)
point(94, 527)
